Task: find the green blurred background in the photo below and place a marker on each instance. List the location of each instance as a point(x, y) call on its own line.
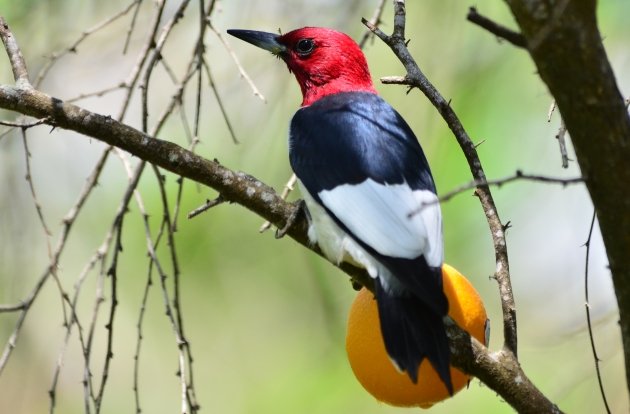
point(265, 317)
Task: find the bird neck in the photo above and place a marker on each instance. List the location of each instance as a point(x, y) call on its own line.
point(312, 92)
point(345, 75)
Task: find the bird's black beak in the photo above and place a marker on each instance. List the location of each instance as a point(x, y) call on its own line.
point(264, 40)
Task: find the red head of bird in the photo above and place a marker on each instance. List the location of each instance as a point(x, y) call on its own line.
point(324, 61)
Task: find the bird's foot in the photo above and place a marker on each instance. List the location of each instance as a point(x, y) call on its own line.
point(299, 207)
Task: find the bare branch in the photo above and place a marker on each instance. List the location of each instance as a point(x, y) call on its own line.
point(560, 136)
point(207, 206)
point(220, 103)
point(587, 306)
point(562, 143)
point(496, 29)
point(185, 355)
point(375, 20)
point(501, 181)
point(132, 25)
point(13, 308)
point(156, 56)
point(112, 273)
point(31, 186)
point(241, 70)
point(18, 65)
point(73, 47)
point(23, 125)
point(99, 93)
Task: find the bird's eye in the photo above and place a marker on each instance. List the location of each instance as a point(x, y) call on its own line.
point(304, 47)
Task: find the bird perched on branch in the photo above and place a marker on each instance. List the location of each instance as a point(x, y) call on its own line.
point(368, 189)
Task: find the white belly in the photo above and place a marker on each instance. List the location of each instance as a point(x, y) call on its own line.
point(337, 245)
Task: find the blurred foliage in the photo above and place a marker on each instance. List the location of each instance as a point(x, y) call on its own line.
point(265, 317)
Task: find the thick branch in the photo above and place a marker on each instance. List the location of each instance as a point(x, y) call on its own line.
point(501, 372)
point(566, 46)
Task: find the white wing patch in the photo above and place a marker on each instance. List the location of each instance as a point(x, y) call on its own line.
point(380, 215)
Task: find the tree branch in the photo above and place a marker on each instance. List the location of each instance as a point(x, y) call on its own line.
point(18, 65)
point(519, 175)
point(496, 29)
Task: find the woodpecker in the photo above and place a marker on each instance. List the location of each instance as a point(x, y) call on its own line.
point(369, 192)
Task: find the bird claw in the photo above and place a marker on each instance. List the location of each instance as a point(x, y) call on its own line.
point(298, 207)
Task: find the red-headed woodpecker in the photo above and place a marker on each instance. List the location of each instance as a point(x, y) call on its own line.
point(363, 174)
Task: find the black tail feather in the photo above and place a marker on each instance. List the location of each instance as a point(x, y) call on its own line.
point(412, 331)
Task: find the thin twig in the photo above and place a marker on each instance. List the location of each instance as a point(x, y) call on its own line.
point(131, 26)
point(188, 390)
point(21, 77)
point(496, 29)
point(99, 93)
point(18, 65)
point(112, 273)
point(13, 308)
point(241, 70)
point(200, 50)
point(42, 221)
point(220, 103)
point(52, 392)
point(140, 337)
point(31, 186)
point(24, 125)
point(375, 20)
point(207, 206)
point(101, 251)
point(551, 110)
point(184, 352)
point(518, 176)
point(156, 56)
point(288, 187)
point(68, 222)
point(54, 58)
point(561, 137)
point(149, 44)
point(587, 306)
point(175, 317)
